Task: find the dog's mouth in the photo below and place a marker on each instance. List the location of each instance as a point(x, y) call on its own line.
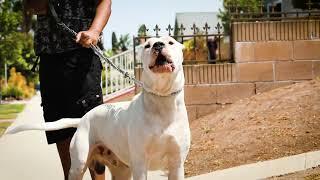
point(162, 65)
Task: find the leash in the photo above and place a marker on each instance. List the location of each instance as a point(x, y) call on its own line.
point(96, 49)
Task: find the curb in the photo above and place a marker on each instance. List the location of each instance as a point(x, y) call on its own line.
point(265, 169)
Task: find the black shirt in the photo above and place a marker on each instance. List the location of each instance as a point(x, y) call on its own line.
point(76, 14)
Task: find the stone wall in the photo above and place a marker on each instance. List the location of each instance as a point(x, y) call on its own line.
point(259, 67)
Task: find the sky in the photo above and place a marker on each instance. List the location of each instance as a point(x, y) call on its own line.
point(128, 15)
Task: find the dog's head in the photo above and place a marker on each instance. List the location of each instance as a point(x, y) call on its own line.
point(162, 65)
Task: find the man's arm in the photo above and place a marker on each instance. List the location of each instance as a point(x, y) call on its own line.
point(91, 36)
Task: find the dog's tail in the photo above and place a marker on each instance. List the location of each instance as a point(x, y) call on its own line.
point(49, 126)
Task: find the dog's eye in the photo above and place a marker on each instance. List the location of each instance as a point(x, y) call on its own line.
point(171, 43)
point(147, 46)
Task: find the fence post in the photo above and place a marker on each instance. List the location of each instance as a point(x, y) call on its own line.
point(231, 41)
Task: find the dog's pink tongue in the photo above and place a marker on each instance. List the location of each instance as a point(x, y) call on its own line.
point(163, 68)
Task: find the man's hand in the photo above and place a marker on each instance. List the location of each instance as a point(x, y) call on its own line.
point(85, 38)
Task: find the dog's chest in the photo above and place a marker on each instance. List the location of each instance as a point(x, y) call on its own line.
point(157, 151)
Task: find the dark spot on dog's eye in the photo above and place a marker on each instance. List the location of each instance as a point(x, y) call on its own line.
point(147, 46)
point(171, 43)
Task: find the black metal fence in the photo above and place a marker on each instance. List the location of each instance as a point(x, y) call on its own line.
point(264, 23)
point(205, 46)
point(270, 22)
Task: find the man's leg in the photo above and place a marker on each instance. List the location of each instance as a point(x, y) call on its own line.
point(63, 149)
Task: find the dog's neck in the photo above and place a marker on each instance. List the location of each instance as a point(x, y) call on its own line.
point(163, 85)
point(163, 95)
point(166, 107)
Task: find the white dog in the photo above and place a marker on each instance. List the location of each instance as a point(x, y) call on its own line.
point(150, 133)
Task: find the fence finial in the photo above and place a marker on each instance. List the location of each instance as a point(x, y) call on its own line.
point(181, 29)
point(309, 4)
point(195, 29)
point(169, 29)
point(206, 28)
point(218, 27)
point(157, 29)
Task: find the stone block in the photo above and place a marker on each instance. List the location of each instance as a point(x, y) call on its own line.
point(273, 50)
point(244, 51)
point(298, 70)
point(250, 72)
point(307, 50)
point(200, 94)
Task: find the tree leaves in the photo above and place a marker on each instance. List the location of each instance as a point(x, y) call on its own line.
point(16, 47)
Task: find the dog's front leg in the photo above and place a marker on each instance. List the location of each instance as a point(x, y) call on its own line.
point(138, 166)
point(176, 168)
point(139, 169)
point(176, 161)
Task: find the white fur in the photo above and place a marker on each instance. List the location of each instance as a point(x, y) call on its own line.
point(149, 133)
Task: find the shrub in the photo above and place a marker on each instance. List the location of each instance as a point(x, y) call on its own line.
point(17, 86)
point(12, 92)
point(195, 51)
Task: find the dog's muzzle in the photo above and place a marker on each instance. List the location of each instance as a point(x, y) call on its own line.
point(161, 64)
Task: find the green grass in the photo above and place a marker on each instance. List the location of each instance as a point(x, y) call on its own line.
point(10, 111)
point(7, 116)
point(3, 127)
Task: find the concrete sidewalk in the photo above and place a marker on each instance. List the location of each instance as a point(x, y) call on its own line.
point(27, 155)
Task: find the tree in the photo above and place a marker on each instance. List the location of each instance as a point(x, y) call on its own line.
point(142, 31)
point(176, 29)
point(16, 47)
point(120, 45)
point(114, 42)
point(124, 42)
point(231, 6)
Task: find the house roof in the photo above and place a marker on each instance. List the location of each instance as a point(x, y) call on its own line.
point(199, 19)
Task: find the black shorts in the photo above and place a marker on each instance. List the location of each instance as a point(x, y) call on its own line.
point(70, 85)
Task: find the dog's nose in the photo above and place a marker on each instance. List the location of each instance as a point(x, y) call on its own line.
point(158, 46)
